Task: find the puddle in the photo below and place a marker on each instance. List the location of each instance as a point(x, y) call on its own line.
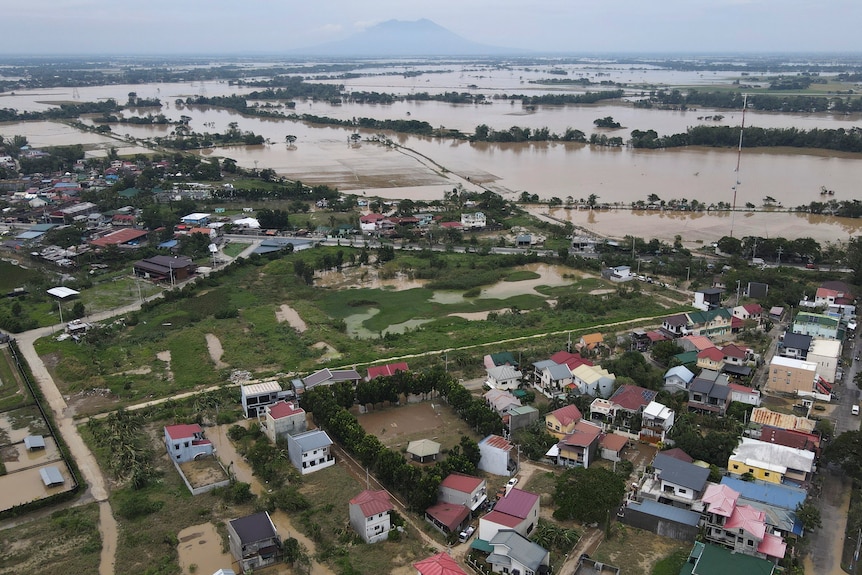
point(329, 352)
point(17, 424)
point(447, 297)
point(356, 330)
point(477, 315)
point(216, 351)
point(548, 276)
point(287, 314)
point(200, 546)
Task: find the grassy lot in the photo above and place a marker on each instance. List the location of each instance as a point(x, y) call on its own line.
point(64, 542)
point(239, 308)
point(12, 393)
point(638, 552)
point(234, 248)
point(327, 523)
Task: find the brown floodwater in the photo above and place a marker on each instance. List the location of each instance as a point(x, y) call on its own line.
point(425, 167)
point(24, 458)
point(200, 546)
point(26, 485)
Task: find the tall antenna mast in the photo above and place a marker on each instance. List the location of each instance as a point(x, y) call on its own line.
point(738, 159)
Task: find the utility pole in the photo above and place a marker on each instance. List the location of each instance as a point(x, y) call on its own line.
point(737, 292)
point(780, 249)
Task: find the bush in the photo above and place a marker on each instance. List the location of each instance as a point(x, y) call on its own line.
point(236, 492)
point(134, 504)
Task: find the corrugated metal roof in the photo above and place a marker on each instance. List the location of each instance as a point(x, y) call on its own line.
point(670, 512)
point(314, 439)
point(517, 503)
point(461, 482)
point(51, 476)
point(373, 502)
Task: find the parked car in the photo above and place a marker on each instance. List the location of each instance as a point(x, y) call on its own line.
point(855, 409)
point(512, 482)
point(465, 535)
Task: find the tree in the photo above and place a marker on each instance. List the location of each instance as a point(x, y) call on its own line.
point(854, 258)
point(663, 351)
point(588, 495)
point(808, 515)
point(846, 451)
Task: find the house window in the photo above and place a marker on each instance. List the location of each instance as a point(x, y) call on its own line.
point(176, 446)
point(735, 466)
point(751, 543)
point(683, 491)
point(766, 474)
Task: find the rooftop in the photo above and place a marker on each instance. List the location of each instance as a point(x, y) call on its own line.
point(252, 528)
point(680, 472)
point(567, 415)
point(461, 482)
point(373, 502)
point(632, 397)
point(517, 503)
point(440, 564)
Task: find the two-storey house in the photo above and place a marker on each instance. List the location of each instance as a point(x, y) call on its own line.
point(674, 482)
point(186, 442)
point(310, 451)
point(254, 541)
point(369, 515)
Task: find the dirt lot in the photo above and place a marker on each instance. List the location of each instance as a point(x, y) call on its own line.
point(203, 471)
point(395, 427)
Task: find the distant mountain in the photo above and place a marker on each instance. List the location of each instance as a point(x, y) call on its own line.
point(398, 38)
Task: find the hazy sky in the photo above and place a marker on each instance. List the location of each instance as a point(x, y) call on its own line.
point(577, 26)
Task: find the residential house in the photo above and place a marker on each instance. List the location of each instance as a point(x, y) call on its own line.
point(825, 354)
point(282, 419)
point(656, 422)
point(736, 355)
point(165, 268)
point(710, 358)
point(500, 358)
point(744, 394)
point(612, 446)
point(369, 515)
point(695, 343)
point(708, 396)
point(618, 274)
point(256, 396)
point(590, 341)
point(832, 293)
point(440, 564)
point(713, 323)
point(794, 345)
point(196, 219)
point(627, 402)
point(496, 456)
point(593, 380)
point(778, 502)
point(186, 442)
point(254, 541)
point(764, 416)
point(741, 528)
point(126, 238)
point(501, 401)
point(465, 490)
point(789, 438)
point(520, 417)
point(328, 376)
point(579, 448)
point(552, 378)
point(707, 559)
point(749, 312)
point(561, 422)
point(707, 299)
point(674, 482)
point(387, 370)
point(448, 517)
point(514, 553)
point(818, 325)
point(677, 379)
point(504, 377)
point(791, 376)
point(517, 510)
point(770, 462)
point(473, 221)
point(310, 451)
point(676, 325)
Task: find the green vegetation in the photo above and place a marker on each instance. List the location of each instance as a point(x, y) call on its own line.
point(66, 541)
point(671, 564)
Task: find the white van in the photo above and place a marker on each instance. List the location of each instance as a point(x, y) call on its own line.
point(855, 409)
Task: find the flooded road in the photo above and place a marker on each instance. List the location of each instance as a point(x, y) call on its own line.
point(235, 463)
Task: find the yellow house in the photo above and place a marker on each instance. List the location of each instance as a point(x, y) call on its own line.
point(591, 340)
point(561, 422)
point(710, 358)
point(771, 462)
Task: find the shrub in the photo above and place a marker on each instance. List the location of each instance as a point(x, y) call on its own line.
point(134, 504)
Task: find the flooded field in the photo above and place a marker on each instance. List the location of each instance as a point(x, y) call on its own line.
point(26, 485)
point(549, 275)
point(200, 550)
point(422, 168)
point(17, 457)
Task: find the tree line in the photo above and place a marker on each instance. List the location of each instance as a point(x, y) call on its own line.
point(840, 139)
point(677, 99)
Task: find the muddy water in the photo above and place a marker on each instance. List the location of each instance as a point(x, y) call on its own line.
point(548, 276)
point(26, 485)
point(24, 458)
point(708, 227)
point(201, 546)
point(235, 463)
point(215, 350)
point(108, 530)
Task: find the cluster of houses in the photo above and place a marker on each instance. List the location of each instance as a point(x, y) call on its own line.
point(385, 226)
